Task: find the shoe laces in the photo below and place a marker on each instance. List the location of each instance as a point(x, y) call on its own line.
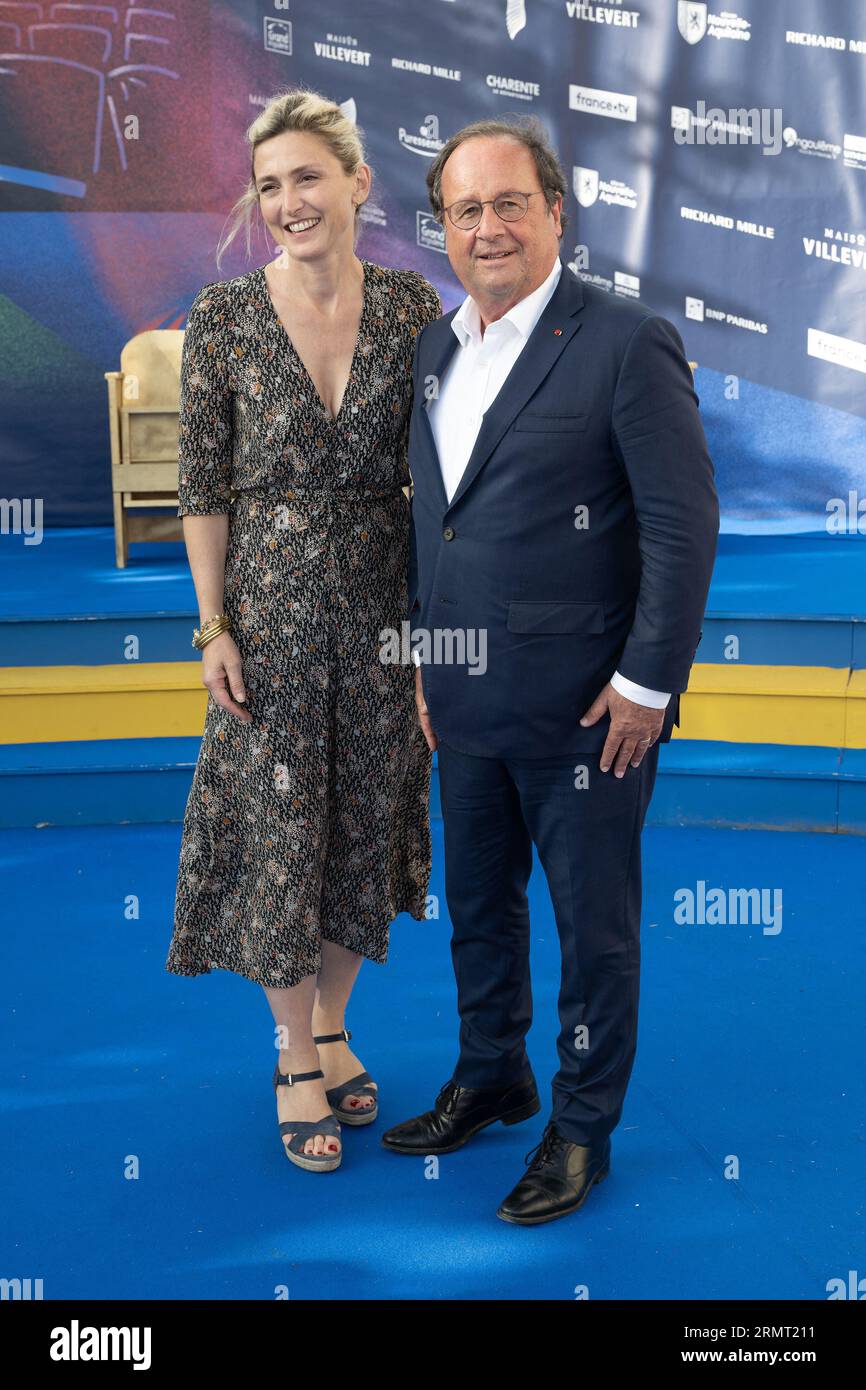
point(448, 1095)
point(546, 1147)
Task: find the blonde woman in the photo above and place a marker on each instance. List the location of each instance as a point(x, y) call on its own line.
point(306, 831)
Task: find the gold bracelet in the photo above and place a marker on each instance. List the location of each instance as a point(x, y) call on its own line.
point(212, 628)
point(210, 636)
point(203, 640)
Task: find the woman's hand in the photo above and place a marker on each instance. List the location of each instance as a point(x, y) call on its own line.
point(221, 673)
point(423, 716)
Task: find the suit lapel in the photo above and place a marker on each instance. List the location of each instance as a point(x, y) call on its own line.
point(442, 349)
point(536, 359)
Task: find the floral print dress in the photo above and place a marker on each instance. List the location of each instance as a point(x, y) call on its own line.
point(310, 822)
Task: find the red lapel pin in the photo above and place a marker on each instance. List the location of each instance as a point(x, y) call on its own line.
point(557, 331)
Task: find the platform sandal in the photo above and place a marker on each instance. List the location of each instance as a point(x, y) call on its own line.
point(302, 1130)
point(355, 1087)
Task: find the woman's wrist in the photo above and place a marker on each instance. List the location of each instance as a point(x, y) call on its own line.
point(212, 627)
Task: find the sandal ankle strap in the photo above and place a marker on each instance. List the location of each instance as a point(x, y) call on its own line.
point(344, 1036)
point(290, 1078)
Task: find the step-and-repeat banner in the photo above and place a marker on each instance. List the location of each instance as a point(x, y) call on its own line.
point(715, 157)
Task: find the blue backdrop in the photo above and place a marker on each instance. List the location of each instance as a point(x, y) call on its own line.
point(716, 161)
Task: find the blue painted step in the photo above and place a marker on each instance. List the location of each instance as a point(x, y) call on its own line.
point(791, 600)
point(139, 781)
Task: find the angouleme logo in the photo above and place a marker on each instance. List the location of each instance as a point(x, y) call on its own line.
point(77, 1343)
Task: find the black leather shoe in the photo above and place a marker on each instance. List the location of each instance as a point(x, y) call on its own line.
point(458, 1113)
point(557, 1180)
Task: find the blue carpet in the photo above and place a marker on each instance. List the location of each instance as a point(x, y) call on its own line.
point(750, 1045)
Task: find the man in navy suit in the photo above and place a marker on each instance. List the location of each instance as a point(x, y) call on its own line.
point(565, 514)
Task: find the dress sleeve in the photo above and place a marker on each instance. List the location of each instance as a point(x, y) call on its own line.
point(205, 427)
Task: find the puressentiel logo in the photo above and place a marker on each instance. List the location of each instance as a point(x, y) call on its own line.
point(594, 101)
point(77, 1343)
point(426, 142)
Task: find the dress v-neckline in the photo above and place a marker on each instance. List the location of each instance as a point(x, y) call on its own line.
point(362, 323)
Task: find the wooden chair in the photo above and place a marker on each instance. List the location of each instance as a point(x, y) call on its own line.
point(143, 406)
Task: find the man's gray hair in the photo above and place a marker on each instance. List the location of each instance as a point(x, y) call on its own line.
point(530, 132)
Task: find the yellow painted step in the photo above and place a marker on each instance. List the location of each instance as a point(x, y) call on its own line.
point(855, 732)
point(820, 705)
point(773, 704)
point(153, 699)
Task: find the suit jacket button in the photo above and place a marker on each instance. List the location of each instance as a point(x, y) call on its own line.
point(448, 533)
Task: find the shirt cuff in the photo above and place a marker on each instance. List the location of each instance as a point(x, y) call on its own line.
point(640, 694)
point(416, 657)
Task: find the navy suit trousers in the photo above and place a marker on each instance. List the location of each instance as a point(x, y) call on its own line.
point(586, 827)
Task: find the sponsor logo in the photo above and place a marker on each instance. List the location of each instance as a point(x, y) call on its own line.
point(427, 69)
point(700, 312)
point(429, 233)
point(696, 22)
point(847, 249)
point(512, 87)
point(827, 41)
point(842, 352)
point(589, 189)
point(854, 148)
point(691, 21)
point(728, 223)
point(515, 17)
point(341, 48)
point(373, 213)
point(820, 149)
point(278, 35)
point(426, 142)
point(628, 285)
point(611, 14)
point(595, 101)
point(757, 125)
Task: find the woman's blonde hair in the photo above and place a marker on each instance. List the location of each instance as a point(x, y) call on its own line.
point(298, 108)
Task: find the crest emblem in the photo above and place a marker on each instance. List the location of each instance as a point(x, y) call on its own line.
point(585, 184)
point(691, 20)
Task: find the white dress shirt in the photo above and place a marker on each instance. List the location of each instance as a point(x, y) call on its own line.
point(469, 386)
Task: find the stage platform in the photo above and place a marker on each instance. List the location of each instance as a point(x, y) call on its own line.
point(101, 703)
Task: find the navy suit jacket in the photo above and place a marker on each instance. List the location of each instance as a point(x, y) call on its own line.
point(598, 412)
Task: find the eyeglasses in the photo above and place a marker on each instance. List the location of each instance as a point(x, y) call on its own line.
point(467, 213)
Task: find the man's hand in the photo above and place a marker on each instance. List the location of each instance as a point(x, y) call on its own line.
point(423, 716)
point(633, 728)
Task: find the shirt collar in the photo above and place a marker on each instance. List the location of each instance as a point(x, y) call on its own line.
point(522, 316)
